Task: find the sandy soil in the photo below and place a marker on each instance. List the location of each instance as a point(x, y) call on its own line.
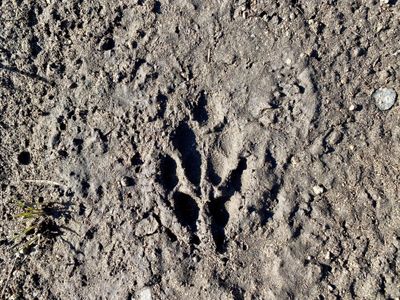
point(199, 149)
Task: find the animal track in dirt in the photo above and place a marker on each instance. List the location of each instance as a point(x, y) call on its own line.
point(167, 176)
point(162, 101)
point(200, 113)
point(216, 207)
point(187, 213)
point(219, 218)
point(184, 140)
point(185, 207)
point(212, 175)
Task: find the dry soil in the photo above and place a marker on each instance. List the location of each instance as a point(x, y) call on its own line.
point(200, 149)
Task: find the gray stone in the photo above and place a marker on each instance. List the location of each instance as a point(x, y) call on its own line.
point(384, 98)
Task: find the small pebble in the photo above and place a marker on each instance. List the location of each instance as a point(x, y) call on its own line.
point(196, 259)
point(328, 255)
point(352, 107)
point(384, 98)
point(145, 294)
point(335, 137)
point(383, 75)
point(146, 226)
point(318, 190)
point(358, 52)
point(127, 181)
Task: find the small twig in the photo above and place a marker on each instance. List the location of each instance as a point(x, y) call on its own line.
point(24, 73)
point(3, 290)
point(38, 181)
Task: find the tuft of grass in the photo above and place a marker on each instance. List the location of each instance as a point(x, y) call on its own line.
point(38, 225)
point(37, 228)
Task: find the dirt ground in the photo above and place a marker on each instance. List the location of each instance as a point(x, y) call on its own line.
point(199, 149)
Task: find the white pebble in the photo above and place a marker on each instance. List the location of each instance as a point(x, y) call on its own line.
point(318, 190)
point(384, 98)
point(145, 294)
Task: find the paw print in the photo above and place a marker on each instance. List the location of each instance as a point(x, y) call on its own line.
point(188, 176)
